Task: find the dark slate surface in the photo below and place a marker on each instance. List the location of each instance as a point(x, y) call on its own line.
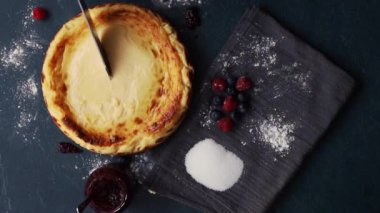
point(310, 108)
point(340, 176)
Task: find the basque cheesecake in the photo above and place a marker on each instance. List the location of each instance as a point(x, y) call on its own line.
point(147, 96)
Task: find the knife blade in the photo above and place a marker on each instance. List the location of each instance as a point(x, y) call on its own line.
point(90, 24)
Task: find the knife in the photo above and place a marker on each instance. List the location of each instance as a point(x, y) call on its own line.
point(90, 25)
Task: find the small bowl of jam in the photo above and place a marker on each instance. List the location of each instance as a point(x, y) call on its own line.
point(107, 188)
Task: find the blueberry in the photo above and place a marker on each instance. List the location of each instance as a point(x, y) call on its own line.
point(243, 107)
point(217, 101)
point(235, 115)
point(231, 80)
point(242, 97)
point(231, 91)
point(216, 115)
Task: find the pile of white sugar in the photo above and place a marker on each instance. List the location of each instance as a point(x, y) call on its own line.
point(211, 165)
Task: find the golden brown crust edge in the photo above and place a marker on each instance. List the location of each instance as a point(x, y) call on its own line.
point(62, 120)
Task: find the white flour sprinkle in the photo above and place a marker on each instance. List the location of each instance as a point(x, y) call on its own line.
point(96, 163)
point(24, 119)
point(293, 75)
point(15, 60)
point(140, 166)
point(24, 125)
point(277, 133)
point(152, 192)
point(90, 165)
point(25, 99)
point(27, 15)
point(15, 55)
point(211, 165)
point(27, 89)
point(253, 48)
point(175, 3)
point(243, 143)
point(205, 120)
point(32, 42)
point(302, 80)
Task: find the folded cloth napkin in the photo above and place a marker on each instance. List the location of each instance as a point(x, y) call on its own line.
point(297, 92)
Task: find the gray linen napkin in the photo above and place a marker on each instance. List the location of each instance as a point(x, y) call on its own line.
point(297, 92)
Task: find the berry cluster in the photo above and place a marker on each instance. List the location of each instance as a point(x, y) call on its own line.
point(230, 100)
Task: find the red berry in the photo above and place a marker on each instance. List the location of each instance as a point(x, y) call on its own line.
point(39, 13)
point(225, 124)
point(230, 104)
point(243, 83)
point(219, 84)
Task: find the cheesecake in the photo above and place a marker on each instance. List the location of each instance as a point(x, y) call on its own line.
point(145, 99)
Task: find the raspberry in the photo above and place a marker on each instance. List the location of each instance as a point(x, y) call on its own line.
point(39, 13)
point(225, 124)
point(229, 104)
point(243, 83)
point(219, 84)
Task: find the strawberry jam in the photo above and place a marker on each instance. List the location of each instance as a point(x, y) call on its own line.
point(108, 189)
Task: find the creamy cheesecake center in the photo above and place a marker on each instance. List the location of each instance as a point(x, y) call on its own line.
point(97, 99)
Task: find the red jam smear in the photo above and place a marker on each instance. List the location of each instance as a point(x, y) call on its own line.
point(65, 147)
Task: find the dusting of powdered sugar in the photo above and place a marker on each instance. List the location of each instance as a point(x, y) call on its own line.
point(15, 65)
point(151, 192)
point(15, 55)
point(259, 49)
point(25, 100)
point(205, 120)
point(277, 133)
point(302, 79)
point(27, 89)
point(177, 3)
point(96, 163)
point(140, 166)
point(91, 163)
point(287, 79)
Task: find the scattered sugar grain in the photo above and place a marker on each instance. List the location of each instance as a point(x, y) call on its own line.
point(140, 166)
point(152, 192)
point(93, 163)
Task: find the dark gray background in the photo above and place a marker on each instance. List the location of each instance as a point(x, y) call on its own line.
point(340, 176)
